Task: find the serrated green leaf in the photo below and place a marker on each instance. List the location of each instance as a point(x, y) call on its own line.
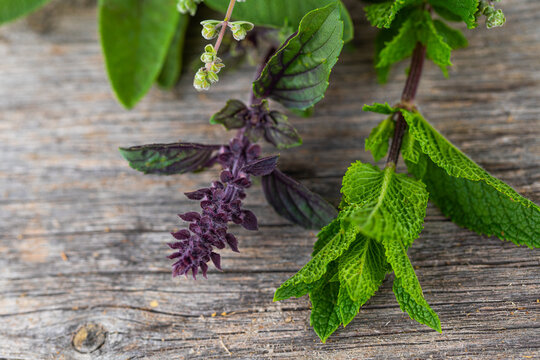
point(437, 50)
point(453, 37)
point(418, 27)
point(168, 159)
point(401, 46)
point(297, 74)
point(468, 194)
point(348, 308)
point(13, 9)
point(135, 36)
point(335, 245)
point(378, 139)
point(419, 311)
point(410, 150)
point(326, 234)
point(388, 206)
point(280, 13)
point(445, 13)
point(172, 66)
point(232, 115)
point(465, 9)
point(383, 14)
point(411, 298)
point(383, 36)
point(380, 108)
point(325, 314)
point(362, 269)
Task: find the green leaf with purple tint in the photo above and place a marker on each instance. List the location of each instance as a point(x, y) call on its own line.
point(169, 159)
point(295, 202)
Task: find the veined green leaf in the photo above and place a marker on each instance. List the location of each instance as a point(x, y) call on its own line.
point(135, 36)
point(380, 108)
point(172, 67)
point(410, 298)
point(378, 139)
point(383, 14)
point(453, 37)
point(384, 36)
point(465, 9)
point(418, 310)
point(468, 194)
point(348, 308)
point(401, 46)
point(387, 206)
point(13, 9)
point(335, 246)
point(325, 313)
point(297, 74)
point(281, 13)
point(362, 269)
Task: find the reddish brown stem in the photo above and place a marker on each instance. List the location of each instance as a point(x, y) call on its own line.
point(407, 100)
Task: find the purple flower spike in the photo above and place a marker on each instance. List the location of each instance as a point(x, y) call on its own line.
point(221, 203)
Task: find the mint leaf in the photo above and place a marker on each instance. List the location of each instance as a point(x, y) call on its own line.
point(13, 9)
point(232, 116)
point(401, 46)
point(317, 266)
point(454, 38)
point(135, 36)
point(468, 194)
point(295, 202)
point(297, 74)
point(362, 269)
point(417, 310)
point(465, 9)
point(380, 108)
point(384, 36)
point(437, 50)
point(418, 27)
point(377, 142)
point(411, 298)
point(281, 13)
point(172, 67)
point(410, 149)
point(325, 313)
point(168, 159)
point(383, 14)
point(388, 206)
point(326, 234)
point(348, 308)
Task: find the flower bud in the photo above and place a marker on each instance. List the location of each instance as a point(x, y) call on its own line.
point(210, 27)
point(240, 28)
point(187, 6)
point(201, 81)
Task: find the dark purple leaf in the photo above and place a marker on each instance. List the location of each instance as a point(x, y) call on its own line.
point(295, 202)
point(249, 220)
point(233, 243)
point(262, 166)
point(168, 159)
point(190, 216)
point(181, 235)
point(216, 259)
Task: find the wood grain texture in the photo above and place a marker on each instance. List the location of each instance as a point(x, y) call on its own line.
point(83, 273)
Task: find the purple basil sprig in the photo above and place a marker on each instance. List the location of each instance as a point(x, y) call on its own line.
point(221, 203)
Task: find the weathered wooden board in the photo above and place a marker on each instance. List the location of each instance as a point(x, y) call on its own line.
point(82, 236)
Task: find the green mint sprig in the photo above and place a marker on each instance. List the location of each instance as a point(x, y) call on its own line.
point(381, 211)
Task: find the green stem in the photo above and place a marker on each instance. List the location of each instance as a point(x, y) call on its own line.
point(224, 25)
